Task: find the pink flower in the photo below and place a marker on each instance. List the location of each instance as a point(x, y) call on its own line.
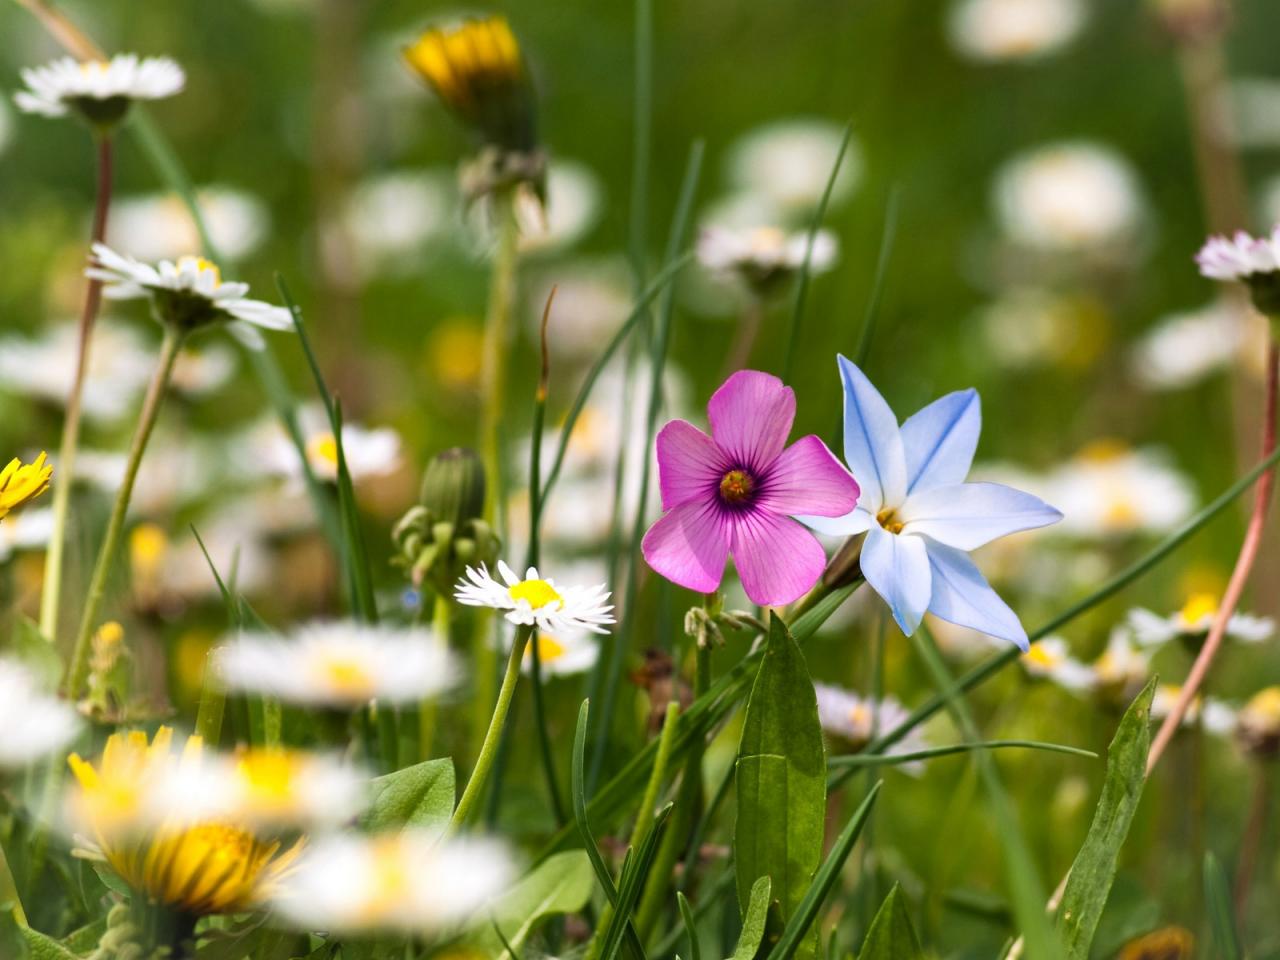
point(737, 490)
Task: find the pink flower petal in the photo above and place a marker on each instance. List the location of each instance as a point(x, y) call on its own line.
point(807, 478)
point(778, 560)
point(689, 546)
point(751, 416)
point(690, 464)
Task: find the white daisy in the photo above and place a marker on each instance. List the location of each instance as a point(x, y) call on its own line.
point(340, 664)
point(28, 529)
point(1186, 347)
point(536, 601)
point(788, 163)
point(1193, 621)
point(762, 255)
point(1110, 490)
point(187, 294)
point(1051, 659)
point(159, 226)
point(412, 881)
point(392, 217)
point(996, 30)
point(369, 451)
point(1218, 717)
point(1068, 197)
point(32, 724)
point(275, 787)
point(101, 90)
point(1029, 327)
point(856, 720)
point(1240, 257)
point(593, 299)
point(563, 654)
point(1122, 669)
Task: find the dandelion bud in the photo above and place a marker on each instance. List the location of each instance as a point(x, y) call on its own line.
point(1258, 723)
point(453, 487)
point(108, 672)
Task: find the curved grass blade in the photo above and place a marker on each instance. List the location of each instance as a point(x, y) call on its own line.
point(872, 313)
point(1217, 898)
point(882, 760)
point(690, 926)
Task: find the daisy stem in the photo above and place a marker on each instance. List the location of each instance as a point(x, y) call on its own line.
point(52, 589)
point(79, 666)
point(489, 749)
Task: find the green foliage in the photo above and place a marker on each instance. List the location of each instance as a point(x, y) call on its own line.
point(1095, 865)
point(891, 936)
point(560, 884)
point(781, 767)
point(29, 646)
point(1217, 895)
point(418, 796)
point(754, 920)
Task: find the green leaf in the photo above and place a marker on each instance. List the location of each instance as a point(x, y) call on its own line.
point(560, 884)
point(418, 796)
point(41, 947)
point(690, 925)
point(781, 776)
point(891, 936)
point(1094, 869)
point(1217, 898)
point(753, 920)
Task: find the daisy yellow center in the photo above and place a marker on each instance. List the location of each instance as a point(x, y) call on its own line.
point(391, 880)
point(538, 593)
point(888, 518)
point(324, 448)
point(860, 717)
point(736, 486)
point(1198, 607)
point(1120, 514)
point(1041, 657)
point(200, 265)
point(549, 648)
point(270, 775)
point(346, 675)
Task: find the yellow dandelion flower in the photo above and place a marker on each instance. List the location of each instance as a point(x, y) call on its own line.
point(21, 482)
point(199, 867)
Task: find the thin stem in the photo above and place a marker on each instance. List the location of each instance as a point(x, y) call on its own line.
point(79, 666)
point(489, 749)
point(441, 623)
point(1239, 576)
point(52, 588)
point(744, 339)
point(1254, 833)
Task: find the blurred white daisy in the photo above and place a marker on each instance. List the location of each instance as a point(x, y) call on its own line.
point(1218, 717)
point(393, 216)
point(534, 600)
point(277, 787)
point(787, 163)
point(369, 452)
point(1186, 347)
point(762, 256)
point(166, 570)
point(1252, 105)
point(203, 370)
point(187, 294)
point(340, 664)
point(1111, 490)
point(1029, 327)
point(857, 720)
point(32, 723)
point(158, 226)
point(411, 882)
point(120, 365)
point(1013, 29)
point(1193, 621)
point(1068, 197)
point(575, 200)
point(1051, 659)
point(1240, 256)
point(593, 299)
point(28, 529)
point(1122, 669)
point(101, 90)
point(561, 655)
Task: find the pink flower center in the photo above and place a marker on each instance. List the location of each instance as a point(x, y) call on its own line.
point(736, 486)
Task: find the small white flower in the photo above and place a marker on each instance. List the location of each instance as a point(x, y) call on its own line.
point(857, 720)
point(340, 664)
point(1186, 347)
point(1068, 197)
point(1051, 659)
point(1122, 668)
point(393, 216)
point(294, 788)
point(1218, 717)
point(66, 83)
point(408, 882)
point(1193, 621)
point(562, 655)
point(788, 164)
point(187, 294)
point(762, 254)
point(995, 30)
point(159, 226)
point(28, 529)
point(369, 452)
point(1240, 257)
point(1109, 490)
point(536, 601)
point(32, 724)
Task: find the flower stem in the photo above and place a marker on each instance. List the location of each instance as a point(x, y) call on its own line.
point(441, 622)
point(52, 589)
point(489, 749)
point(497, 333)
point(115, 525)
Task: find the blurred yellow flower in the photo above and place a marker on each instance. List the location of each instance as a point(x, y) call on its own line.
point(1167, 943)
point(199, 868)
point(21, 482)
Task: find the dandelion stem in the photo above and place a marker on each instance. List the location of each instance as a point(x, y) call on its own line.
point(489, 749)
point(52, 589)
point(115, 525)
point(442, 625)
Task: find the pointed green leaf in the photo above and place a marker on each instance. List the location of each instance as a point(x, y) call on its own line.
point(753, 921)
point(1095, 866)
point(418, 796)
point(891, 936)
point(782, 783)
point(1217, 899)
point(560, 884)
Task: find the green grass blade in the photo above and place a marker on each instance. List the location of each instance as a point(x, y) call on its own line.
point(802, 281)
point(800, 922)
point(880, 760)
point(634, 874)
point(891, 936)
point(690, 925)
point(1217, 896)
point(872, 314)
